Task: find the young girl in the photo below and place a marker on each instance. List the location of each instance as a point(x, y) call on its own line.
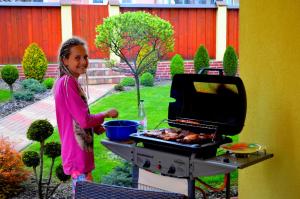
point(75, 123)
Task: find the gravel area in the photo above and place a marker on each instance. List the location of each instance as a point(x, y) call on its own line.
point(29, 190)
point(15, 105)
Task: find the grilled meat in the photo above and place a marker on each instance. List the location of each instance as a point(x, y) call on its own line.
point(182, 136)
point(153, 133)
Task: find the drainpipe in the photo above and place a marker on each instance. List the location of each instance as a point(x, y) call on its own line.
point(221, 29)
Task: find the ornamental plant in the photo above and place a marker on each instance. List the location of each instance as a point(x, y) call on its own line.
point(147, 79)
point(10, 74)
point(48, 83)
point(201, 59)
point(138, 38)
point(177, 65)
point(34, 62)
point(127, 81)
point(12, 171)
point(39, 131)
point(230, 61)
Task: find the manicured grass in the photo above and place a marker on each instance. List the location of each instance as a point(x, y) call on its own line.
point(4, 95)
point(156, 101)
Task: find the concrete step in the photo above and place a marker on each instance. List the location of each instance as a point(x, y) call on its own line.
point(97, 63)
point(102, 72)
point(93, 80)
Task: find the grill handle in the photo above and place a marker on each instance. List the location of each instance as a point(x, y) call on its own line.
point(220, 70)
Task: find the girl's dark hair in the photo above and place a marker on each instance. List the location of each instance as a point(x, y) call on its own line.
point(65, 51)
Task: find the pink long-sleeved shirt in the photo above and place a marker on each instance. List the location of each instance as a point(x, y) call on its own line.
point(75, 126)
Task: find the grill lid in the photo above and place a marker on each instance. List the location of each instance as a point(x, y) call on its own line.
point(208, 100)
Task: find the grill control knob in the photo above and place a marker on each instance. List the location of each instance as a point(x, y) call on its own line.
point(226, 160)
point(146, 164)
point(171, 170)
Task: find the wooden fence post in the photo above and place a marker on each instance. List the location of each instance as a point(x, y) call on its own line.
point(113, 9)
point(221, 30)
point(66, 20)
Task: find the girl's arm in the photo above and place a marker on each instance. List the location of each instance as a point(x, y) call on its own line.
point(79, 109)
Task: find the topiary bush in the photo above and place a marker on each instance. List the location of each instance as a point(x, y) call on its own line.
point(12, 171)
point(10, 74)
point(151, 58)
point(119, 87)
point(34, 62)
point(230, 61)
point(24, 95)
point(39, 131)
point(128, 81)
point(33, 85)
point(48, 83)
point(31, 159)
point(201, 59)
point(177, 65)
point(59, 171)
point(147, 79)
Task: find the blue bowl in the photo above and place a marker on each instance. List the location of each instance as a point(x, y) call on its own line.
point(119, 130)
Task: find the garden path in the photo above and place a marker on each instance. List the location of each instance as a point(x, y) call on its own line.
point(14, 126)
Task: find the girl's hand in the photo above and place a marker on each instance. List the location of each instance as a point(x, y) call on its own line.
point(111, 113)
point(99, 129)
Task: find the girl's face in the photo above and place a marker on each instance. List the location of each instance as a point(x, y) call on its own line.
point(77, 62)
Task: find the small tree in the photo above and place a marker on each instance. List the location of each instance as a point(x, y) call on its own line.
point(201, 59)
point(230, 61)
point(127, 34)
point(177, 65)
point(12, 171)
point(34, 62)
point(10, 74)
point(39, 131)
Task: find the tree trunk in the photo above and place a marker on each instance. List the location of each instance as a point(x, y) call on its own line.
point(41, 171)
point(137, 82)
point(50, 176)
point(11, 91)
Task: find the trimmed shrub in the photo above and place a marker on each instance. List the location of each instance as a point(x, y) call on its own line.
point(128, 81)
point(152, 58)
point(52, 149)
point(31, 158)
point(119, 87)
point(34, 62)
point(33, 85)
point(230, 61)
point(48, 83)
point(40, 130)
point(24, 95)
point(9, 74)
point(59, 171)
point(177, 65)
point(12, 171)
point(147, 79)
point(201, 59)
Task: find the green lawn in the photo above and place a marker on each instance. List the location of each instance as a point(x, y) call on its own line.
point(156, 107)
point(4, 95)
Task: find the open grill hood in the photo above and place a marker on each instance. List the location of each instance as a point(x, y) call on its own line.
point(209, 100)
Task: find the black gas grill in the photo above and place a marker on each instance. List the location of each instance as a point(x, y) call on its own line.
point(204, 104)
